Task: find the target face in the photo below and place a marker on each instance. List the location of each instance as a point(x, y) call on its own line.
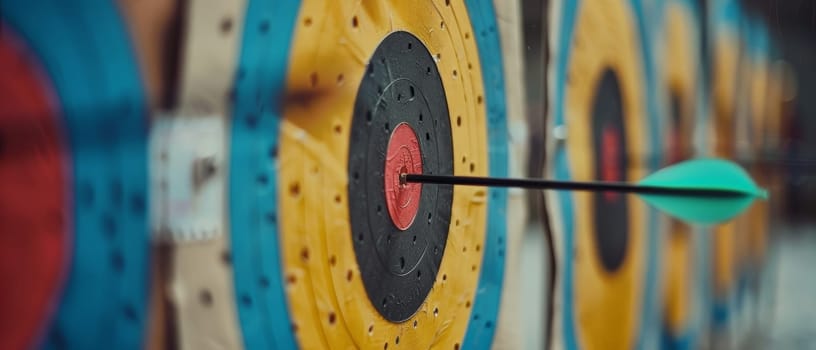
point(601, 131)
point(315, 185)
point(752, 226)
point(722, 131)
point(679, 252)
point(315, 199)
point(683, 257)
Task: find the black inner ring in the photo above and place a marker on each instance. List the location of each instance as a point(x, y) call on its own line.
point(611, 211)
point(401, 85)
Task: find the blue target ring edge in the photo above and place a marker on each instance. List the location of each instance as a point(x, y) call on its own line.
point(259, 80)
point(484, 316)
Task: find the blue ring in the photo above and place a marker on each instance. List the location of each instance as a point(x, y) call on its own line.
point(262, 310)
point(482, 325)
point(258, 268)
point(85, 49)
point(561, 171)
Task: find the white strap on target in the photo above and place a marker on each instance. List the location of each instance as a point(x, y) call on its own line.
point(189, 158)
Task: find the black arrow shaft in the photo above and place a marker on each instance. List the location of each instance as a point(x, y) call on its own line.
point(569, 185)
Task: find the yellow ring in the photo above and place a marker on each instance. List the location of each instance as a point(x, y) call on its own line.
point(726, 59)
point(681, 79)
point(332, 45)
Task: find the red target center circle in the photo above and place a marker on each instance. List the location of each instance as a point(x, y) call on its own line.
point(611, 153)
point(403, 157)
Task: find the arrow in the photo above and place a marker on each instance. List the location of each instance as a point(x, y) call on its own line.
point(702, 191)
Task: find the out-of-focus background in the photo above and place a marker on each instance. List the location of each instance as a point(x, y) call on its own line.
point(789, 322)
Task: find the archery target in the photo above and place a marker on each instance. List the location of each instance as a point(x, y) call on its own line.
point(682, 86)
point(601, 131)
point(772, 126)
point(260, 78)
point(325, 93)
point(756, 77)
point(754, 224)
point(725, 65)
point(92, 128)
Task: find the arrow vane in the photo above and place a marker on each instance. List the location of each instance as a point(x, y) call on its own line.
point(701, 191)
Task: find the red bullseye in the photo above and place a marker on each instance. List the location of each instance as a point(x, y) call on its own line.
point(403, 157)
point(611, 153)
point(33, 195)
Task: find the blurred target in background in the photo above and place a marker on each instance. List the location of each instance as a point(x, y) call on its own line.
point(684, 251)
point(600, 128)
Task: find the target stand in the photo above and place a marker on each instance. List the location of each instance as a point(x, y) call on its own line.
point(684, 256)
point(724, 20)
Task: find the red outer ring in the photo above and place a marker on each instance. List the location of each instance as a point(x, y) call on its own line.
point(34, 234)
point(403, 156)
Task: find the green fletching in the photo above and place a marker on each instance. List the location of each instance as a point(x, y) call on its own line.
point(699, 210)
point(710, 174)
